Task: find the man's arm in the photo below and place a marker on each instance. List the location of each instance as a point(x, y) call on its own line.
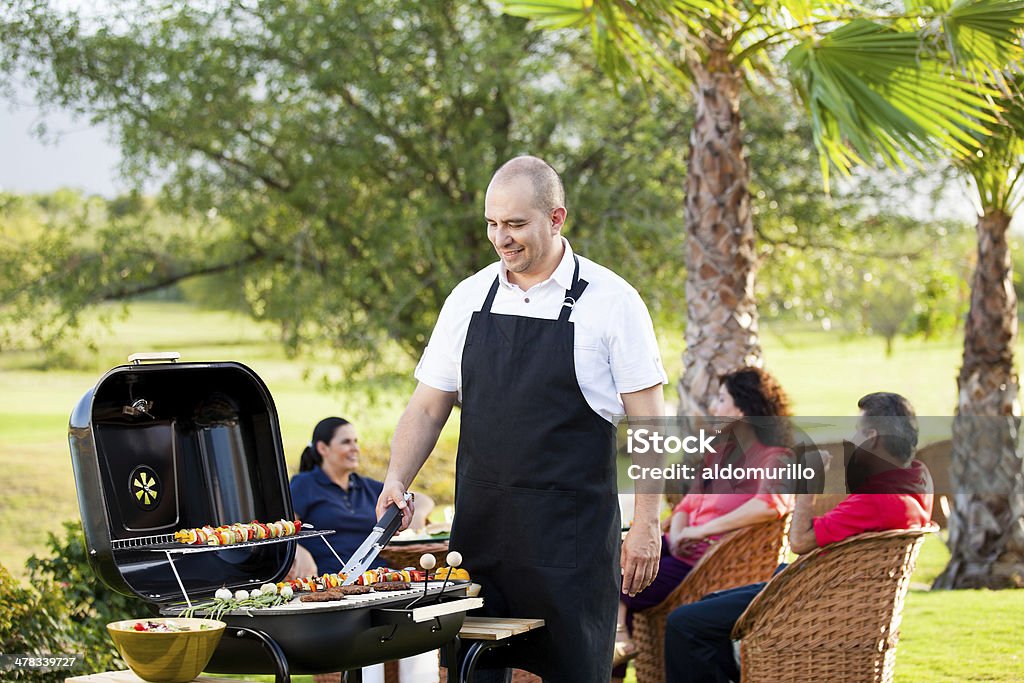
point(415, 436)
point(801, 528)
point(641, 550)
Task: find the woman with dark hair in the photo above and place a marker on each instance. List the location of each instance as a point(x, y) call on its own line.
point(750, 411)
point(329, 494)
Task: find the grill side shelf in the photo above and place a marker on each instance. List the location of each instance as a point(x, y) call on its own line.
point(165, 543)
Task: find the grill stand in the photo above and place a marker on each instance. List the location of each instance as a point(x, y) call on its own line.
point(461, 662)
point(281, 669)
point(281, 672)
point(484, 634)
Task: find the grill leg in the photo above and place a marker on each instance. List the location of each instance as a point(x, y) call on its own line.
point(281, 673)
point(472, 656)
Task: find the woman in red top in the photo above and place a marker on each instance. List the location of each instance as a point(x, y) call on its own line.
point(713, 507)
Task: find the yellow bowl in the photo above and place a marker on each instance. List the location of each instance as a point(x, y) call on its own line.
point(167, 657)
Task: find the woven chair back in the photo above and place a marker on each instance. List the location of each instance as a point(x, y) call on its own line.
point(832, 615)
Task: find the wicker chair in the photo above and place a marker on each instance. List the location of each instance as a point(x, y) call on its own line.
point(743, 556)
point(832, 615)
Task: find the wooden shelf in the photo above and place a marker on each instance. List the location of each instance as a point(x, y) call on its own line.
point(495, 628)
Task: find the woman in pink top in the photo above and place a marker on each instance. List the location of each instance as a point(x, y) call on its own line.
point(713, 507)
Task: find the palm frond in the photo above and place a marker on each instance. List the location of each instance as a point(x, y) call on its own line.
point(633, 38)
point(552, 14)
point(983, 37)
point(871, 95)
point(806, 11)
point(921, 6)
point(997, 168)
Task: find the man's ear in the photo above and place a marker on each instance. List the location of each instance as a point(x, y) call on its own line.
point(558, 219)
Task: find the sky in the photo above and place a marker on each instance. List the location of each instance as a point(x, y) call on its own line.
point(75, 154)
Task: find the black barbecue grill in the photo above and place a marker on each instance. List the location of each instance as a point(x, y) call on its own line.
point(158, 446)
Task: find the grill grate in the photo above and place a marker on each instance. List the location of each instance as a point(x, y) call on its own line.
point(165, 543)
point(349, 602)
point(141, 541)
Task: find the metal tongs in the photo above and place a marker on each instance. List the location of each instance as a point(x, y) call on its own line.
point(382, 532)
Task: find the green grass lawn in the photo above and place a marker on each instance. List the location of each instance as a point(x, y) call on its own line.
point(825, 373)
point(950, 636)
point(962, 636)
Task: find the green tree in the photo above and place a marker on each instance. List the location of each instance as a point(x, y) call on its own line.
point(32, 623)
point(875, 273)
point(888, 306)
point(876, 86)
point(62, 252)
point(329, 159)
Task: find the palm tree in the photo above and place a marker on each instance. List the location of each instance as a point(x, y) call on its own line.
point(986, 532)
point(878, 87)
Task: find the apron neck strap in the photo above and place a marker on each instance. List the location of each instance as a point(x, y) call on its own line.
point(572, 295)
point(486, 308)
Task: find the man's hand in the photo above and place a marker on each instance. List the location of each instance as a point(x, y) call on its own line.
point(641, 552)
point(394, 492)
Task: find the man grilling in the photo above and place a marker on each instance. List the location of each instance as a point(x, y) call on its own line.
point(543, 349)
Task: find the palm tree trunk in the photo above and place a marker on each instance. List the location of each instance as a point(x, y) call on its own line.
point(986, 527)
point(721, 327)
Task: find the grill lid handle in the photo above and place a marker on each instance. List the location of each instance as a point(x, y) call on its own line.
point(154, 357)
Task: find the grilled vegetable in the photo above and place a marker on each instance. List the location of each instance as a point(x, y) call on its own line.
point(237, 533)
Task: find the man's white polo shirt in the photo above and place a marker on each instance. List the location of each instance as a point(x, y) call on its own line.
point(616, 351)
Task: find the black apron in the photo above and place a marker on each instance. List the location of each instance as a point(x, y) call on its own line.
point(536, 512)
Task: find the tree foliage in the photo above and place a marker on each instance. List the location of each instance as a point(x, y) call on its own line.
point(824, 258)
point(881, 81)
point(324, 168)
point(333, 157)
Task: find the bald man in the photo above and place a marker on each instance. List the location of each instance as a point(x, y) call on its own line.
point(543, 349)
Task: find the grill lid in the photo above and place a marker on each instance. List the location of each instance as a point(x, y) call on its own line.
point(164, 446)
